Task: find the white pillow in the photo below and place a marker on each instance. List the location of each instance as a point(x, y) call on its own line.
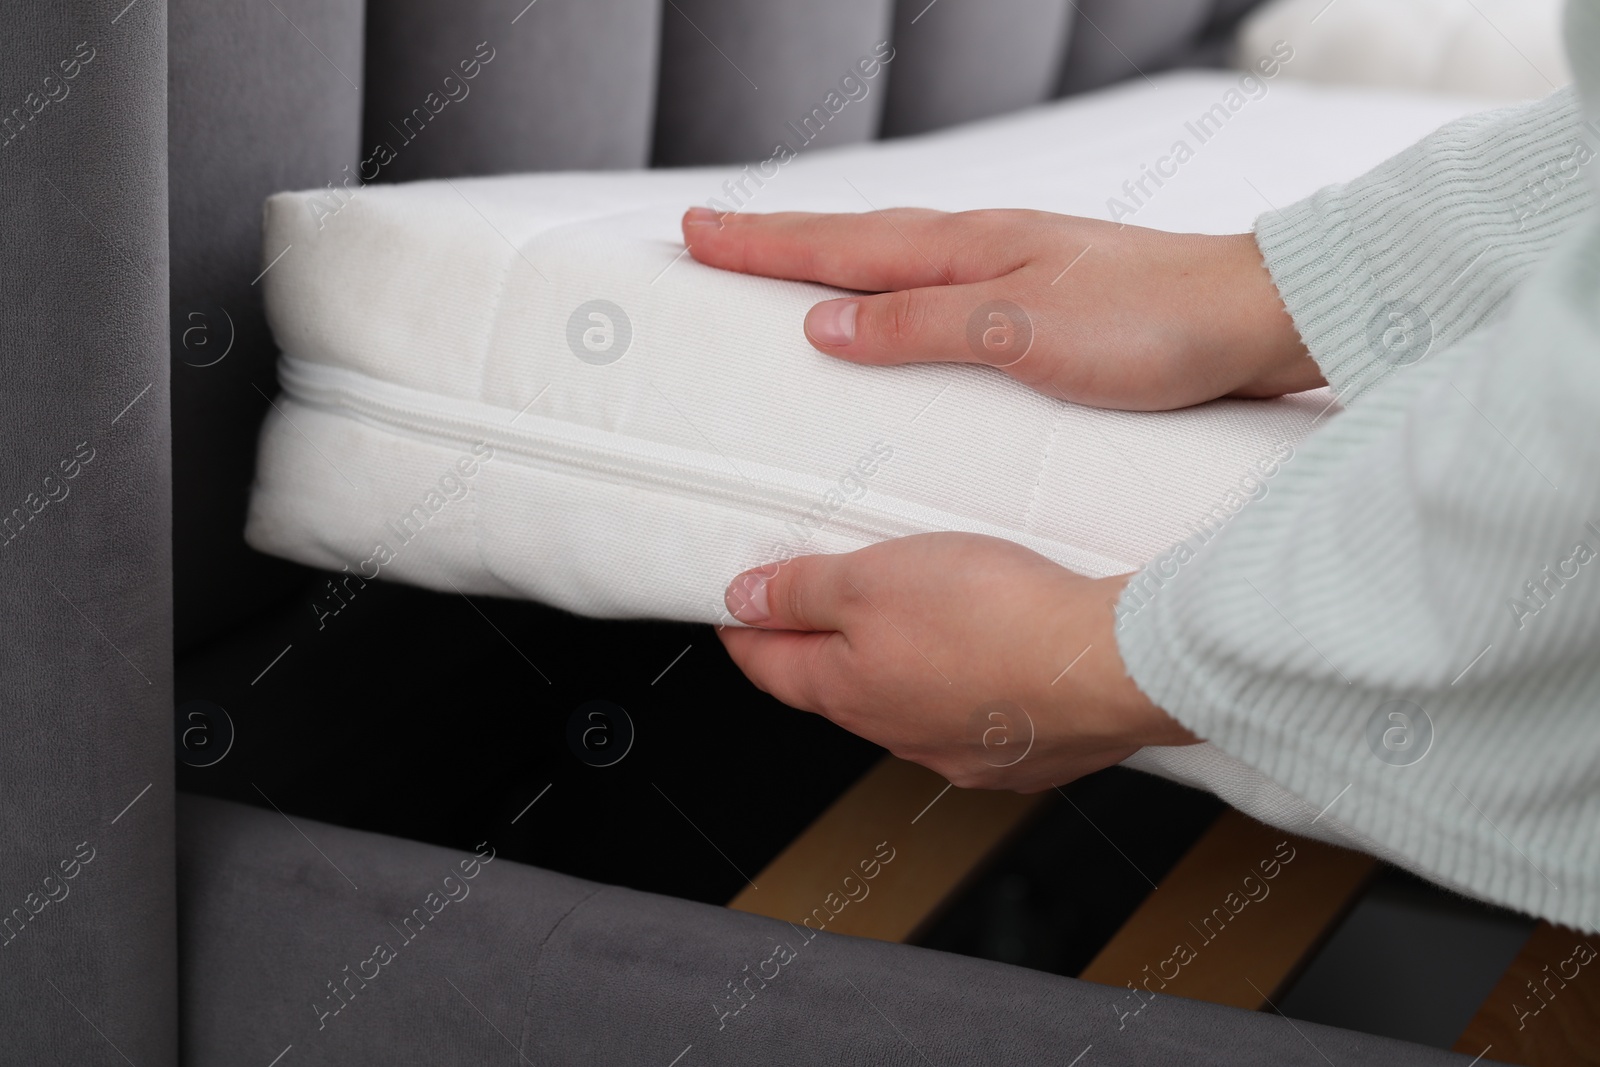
point(419, 321)
point(1494, 49)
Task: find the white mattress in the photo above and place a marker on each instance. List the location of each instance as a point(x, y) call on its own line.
point(420, 322)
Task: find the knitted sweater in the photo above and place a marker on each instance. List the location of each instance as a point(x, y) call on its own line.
point(1398, 648)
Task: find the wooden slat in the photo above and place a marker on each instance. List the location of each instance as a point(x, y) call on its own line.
point(1248, 951)
point(1545, 1010)
point(936, 849)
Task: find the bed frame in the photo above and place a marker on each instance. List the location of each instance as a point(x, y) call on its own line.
point(959, 830)
point(138, 139)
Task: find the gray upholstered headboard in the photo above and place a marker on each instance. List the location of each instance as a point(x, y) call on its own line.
point(143, 135)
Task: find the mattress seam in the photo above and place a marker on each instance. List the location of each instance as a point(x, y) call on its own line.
point(493, 330)
point(1044, 465)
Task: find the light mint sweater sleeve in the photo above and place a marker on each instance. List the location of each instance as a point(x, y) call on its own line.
point(1398, 647)
point(1411, 257)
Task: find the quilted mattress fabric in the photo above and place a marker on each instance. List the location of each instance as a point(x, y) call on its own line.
point(521, 386)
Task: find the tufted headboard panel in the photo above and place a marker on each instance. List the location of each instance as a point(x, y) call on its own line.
point(490, 86)
point(735, 73)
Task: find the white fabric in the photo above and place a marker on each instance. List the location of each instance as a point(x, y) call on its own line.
point(641, 486)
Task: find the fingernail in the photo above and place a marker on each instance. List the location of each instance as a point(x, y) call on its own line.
point(701, 216)
point(833, 322)
point(747, 598)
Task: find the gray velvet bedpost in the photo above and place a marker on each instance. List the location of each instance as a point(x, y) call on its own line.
point(87, 932)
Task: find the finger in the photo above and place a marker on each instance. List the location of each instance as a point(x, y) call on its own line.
point(783, 663)
point(803, 593)
point(902, 248)
point(962, 323)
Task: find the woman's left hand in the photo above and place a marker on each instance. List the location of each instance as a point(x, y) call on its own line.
point(973, 656)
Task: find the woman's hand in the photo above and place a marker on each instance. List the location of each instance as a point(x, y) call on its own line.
point(1089, 311)
point(970, 655)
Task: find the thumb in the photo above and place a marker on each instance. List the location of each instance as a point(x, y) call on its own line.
point(803, 593)
point(937, 324)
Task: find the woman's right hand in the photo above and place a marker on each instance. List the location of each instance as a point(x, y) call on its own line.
point(1089, 311)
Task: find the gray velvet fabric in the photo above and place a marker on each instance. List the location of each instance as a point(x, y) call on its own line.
point(261, 97)
point(962, 60)
point(87, 931)
point(740, 76)
point(1225, 12)
point(269, 925)
point(1116, 39)
point(518, 965)
point(489, 86)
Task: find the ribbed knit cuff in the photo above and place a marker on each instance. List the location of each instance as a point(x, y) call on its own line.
point(1383, 271)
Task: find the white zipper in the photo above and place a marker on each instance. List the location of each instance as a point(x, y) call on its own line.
point(598, 454)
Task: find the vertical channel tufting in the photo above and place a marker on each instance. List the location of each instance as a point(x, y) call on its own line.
point(471, 87)
point(961, 60)
point(1116, 39)
point(736, 73)
point(261, 97)
point(87, 938)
